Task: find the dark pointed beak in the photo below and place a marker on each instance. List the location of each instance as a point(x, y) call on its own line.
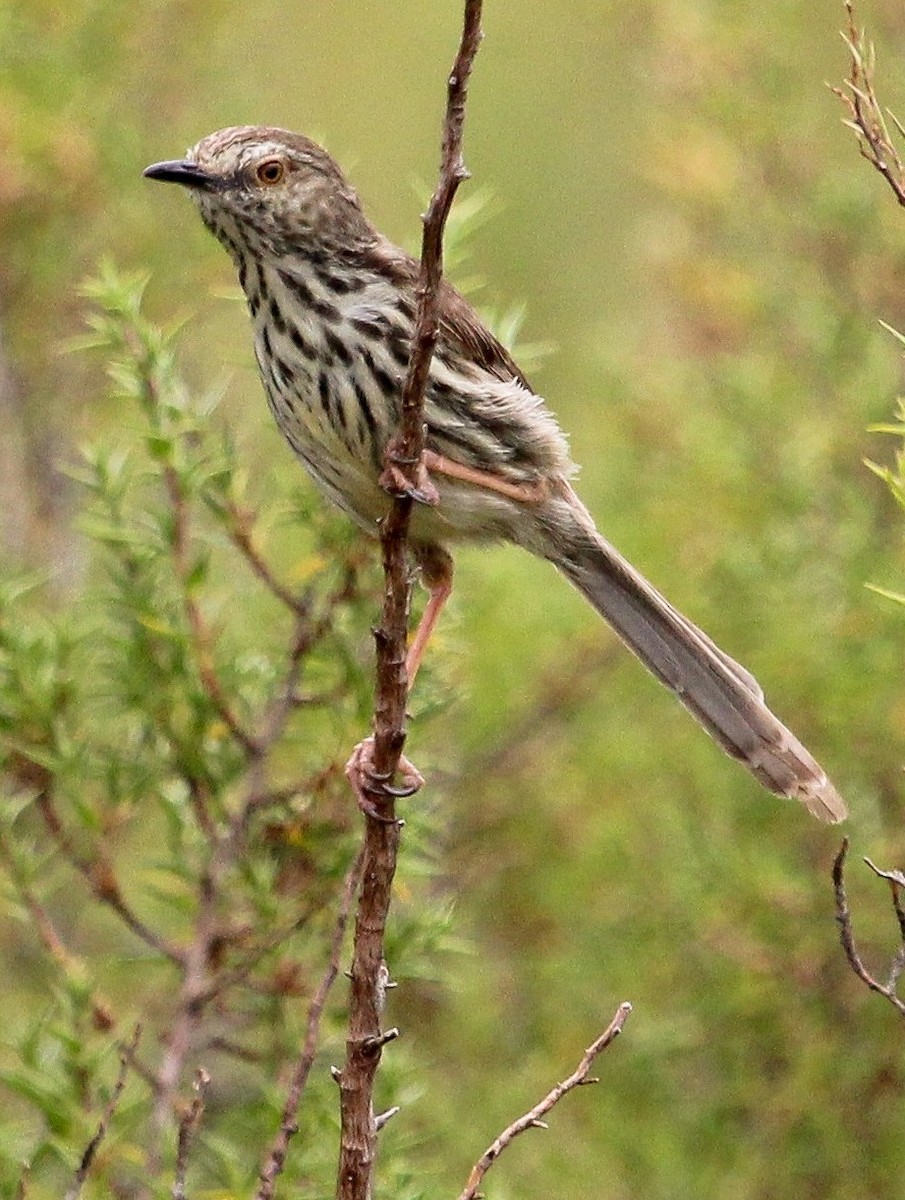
point(179, 171)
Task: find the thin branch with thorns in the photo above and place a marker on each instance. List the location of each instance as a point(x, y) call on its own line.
point(534, 1118)
point(866, 118)
point(896, 881)
point(405, 472)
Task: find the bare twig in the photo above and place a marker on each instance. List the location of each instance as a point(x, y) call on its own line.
point(276, 1158)
point(865, 116)
point(125, 1060)
point(188, 1127)
point(533, 1119)
point(144, 1072)
point(847, 937)
point(405, 477)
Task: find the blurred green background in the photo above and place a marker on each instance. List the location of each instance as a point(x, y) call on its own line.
point(689, 225)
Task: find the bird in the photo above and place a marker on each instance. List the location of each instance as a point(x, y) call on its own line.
point(332, 304)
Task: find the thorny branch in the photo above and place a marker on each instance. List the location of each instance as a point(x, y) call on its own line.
point(896, 880)
point(405, 471)
point(533, 1119)
point(866, 117)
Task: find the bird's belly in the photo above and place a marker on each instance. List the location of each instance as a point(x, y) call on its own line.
point(343, 453)
point(346, 475)
point(341, 471)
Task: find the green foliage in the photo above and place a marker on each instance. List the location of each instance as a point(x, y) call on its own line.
point(175, 818)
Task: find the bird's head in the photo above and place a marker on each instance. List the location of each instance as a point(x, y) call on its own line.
point(267, 190)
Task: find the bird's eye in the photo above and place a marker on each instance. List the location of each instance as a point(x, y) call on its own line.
point(270, 171)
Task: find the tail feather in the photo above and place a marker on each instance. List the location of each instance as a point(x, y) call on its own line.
point(724, 697)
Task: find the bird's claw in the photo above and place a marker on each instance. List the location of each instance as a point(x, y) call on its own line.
point(398, 481)
point(366, 782)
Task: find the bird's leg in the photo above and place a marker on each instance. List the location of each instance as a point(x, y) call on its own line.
point(527, 493)
point(367, 783)
point(436, 575)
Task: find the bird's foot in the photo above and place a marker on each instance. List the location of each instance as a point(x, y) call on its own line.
point(371, 786)
point(403, 477)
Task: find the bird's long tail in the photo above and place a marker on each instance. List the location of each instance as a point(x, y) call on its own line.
point(724, 697)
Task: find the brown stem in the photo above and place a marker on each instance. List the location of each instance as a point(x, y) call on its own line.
point(533, 1119)
point(240, 527)
point(189, 1010)
point(69, 964)
point(404, 467)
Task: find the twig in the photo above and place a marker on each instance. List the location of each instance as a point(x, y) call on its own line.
point(188, 1127)
point(240, 526)
point(276, 1158)
point(201, 982)
point(273, 722)
point(866, 117)
point(404, 466)
point(200, 635)
point(847, 937)
point(533, 1119)
point(200, 985)
point(189, 1007)
point(100, 876)
point(144, 1072)
point(125, 1060)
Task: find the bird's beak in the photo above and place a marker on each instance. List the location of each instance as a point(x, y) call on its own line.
point(179, 171)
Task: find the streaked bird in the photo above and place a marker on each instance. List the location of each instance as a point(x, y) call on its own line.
point(332, 304)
